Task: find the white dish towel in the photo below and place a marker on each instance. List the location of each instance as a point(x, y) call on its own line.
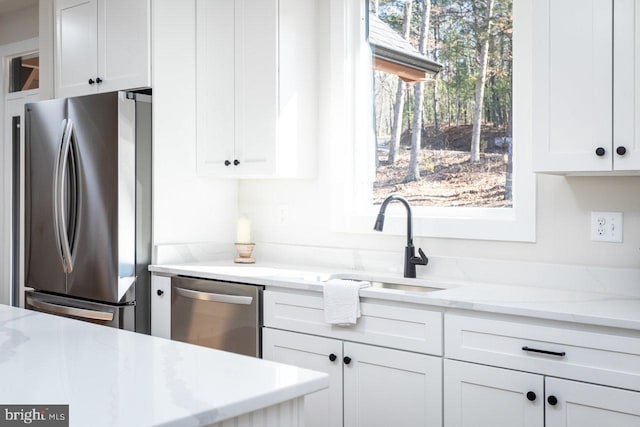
point(342, 301)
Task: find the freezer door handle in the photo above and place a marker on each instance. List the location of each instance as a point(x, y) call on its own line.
point(56, 196)
point(64, 236)
point(208, 296)
point(71, 311)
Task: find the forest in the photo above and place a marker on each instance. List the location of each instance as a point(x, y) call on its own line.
point(447, 141)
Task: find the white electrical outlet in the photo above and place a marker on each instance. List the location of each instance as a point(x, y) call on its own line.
point(606, 226)
point(283, 213)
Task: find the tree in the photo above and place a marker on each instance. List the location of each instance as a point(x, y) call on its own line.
point(398, 110)
point(375, 6)
point(483, 35)
point(436, 124)
point(418, 104)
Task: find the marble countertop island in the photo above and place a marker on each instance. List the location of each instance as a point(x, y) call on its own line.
point(111, 377)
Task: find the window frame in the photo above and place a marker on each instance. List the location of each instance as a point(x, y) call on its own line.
point(352, 130)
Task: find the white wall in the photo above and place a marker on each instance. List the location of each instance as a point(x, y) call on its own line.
point(564, 206)
point(19, 25)
point(187, 208)
point(298, 213)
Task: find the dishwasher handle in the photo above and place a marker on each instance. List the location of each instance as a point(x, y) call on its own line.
point(208, 296)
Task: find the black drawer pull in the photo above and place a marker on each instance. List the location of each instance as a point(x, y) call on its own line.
point(550, 353)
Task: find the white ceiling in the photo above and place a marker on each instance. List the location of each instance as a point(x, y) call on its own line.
point(11, 5)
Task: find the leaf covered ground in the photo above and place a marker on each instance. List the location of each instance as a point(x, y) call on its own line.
point(447, 178)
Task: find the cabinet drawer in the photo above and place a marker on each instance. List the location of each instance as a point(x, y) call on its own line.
point(598, 355)
point(382, 323)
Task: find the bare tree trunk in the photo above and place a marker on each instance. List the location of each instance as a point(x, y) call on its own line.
point(375, 5)
point(418, 105)
point(483, 36)
point(396, 127)
point(436, 123)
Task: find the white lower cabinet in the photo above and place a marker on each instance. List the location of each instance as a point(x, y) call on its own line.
point(160, 306)
point(322, 408)
point(480, 396)
point(369, 386)
point(588, 405)
point(483, 396)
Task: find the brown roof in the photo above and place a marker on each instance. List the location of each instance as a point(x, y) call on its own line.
point(388, 45)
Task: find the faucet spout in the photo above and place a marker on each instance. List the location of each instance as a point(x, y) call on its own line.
point(410, 258)
point(380, 220)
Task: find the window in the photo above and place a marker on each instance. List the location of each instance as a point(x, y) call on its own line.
point(483, 193)
point(442, 140)
point(24, 73)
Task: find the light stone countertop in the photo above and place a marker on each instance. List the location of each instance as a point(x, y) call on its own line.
point(111, 377)
point(591, 308)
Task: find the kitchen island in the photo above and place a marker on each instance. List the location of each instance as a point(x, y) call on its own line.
point(111, 377)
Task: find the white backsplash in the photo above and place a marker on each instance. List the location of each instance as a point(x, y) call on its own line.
point(624, 281)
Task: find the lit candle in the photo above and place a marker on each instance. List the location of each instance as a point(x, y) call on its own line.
point(243, 234)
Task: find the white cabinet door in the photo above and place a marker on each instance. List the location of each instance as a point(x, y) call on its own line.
point(587, 405)
point(573, 85)
point(123, 44)
point(323, 408)
point(481, 396)
point(626, 85)
point(237, 77)
point(256, 82)
point(76, 50)
point(384, 387)
point(101, 46)
point(215, 80)
point(256, 86)
point(160, 306)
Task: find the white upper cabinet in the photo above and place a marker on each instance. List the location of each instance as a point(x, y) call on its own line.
point(256, 113)
point(585, 86)
point(626, 85)
point(101, 46)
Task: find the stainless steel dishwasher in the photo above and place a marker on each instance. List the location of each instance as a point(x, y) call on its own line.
point(222, 315)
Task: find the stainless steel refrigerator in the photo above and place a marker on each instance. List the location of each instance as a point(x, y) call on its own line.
point(88, 208)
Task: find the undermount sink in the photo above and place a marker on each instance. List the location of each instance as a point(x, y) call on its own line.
point(402, 287)
point(394, 283)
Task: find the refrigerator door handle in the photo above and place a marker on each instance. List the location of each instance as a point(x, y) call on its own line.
point(208, 296)
point(56, 196)
point(64, 236)
point(70, 311)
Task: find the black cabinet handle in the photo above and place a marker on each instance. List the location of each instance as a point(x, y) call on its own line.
point(346, 360)
point(553, 401)
point(98, 80)
point(227, 162)
point(333, 357)
point(621, 151)
point(600, 151)
point(236, 162)
point(91, 81)
point(160, 292)
point(531, 396)
point(550, 353)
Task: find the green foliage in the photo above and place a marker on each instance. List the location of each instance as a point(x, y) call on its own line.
point(454, 35)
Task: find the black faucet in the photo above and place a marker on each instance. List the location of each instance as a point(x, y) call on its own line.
point(410, 258)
